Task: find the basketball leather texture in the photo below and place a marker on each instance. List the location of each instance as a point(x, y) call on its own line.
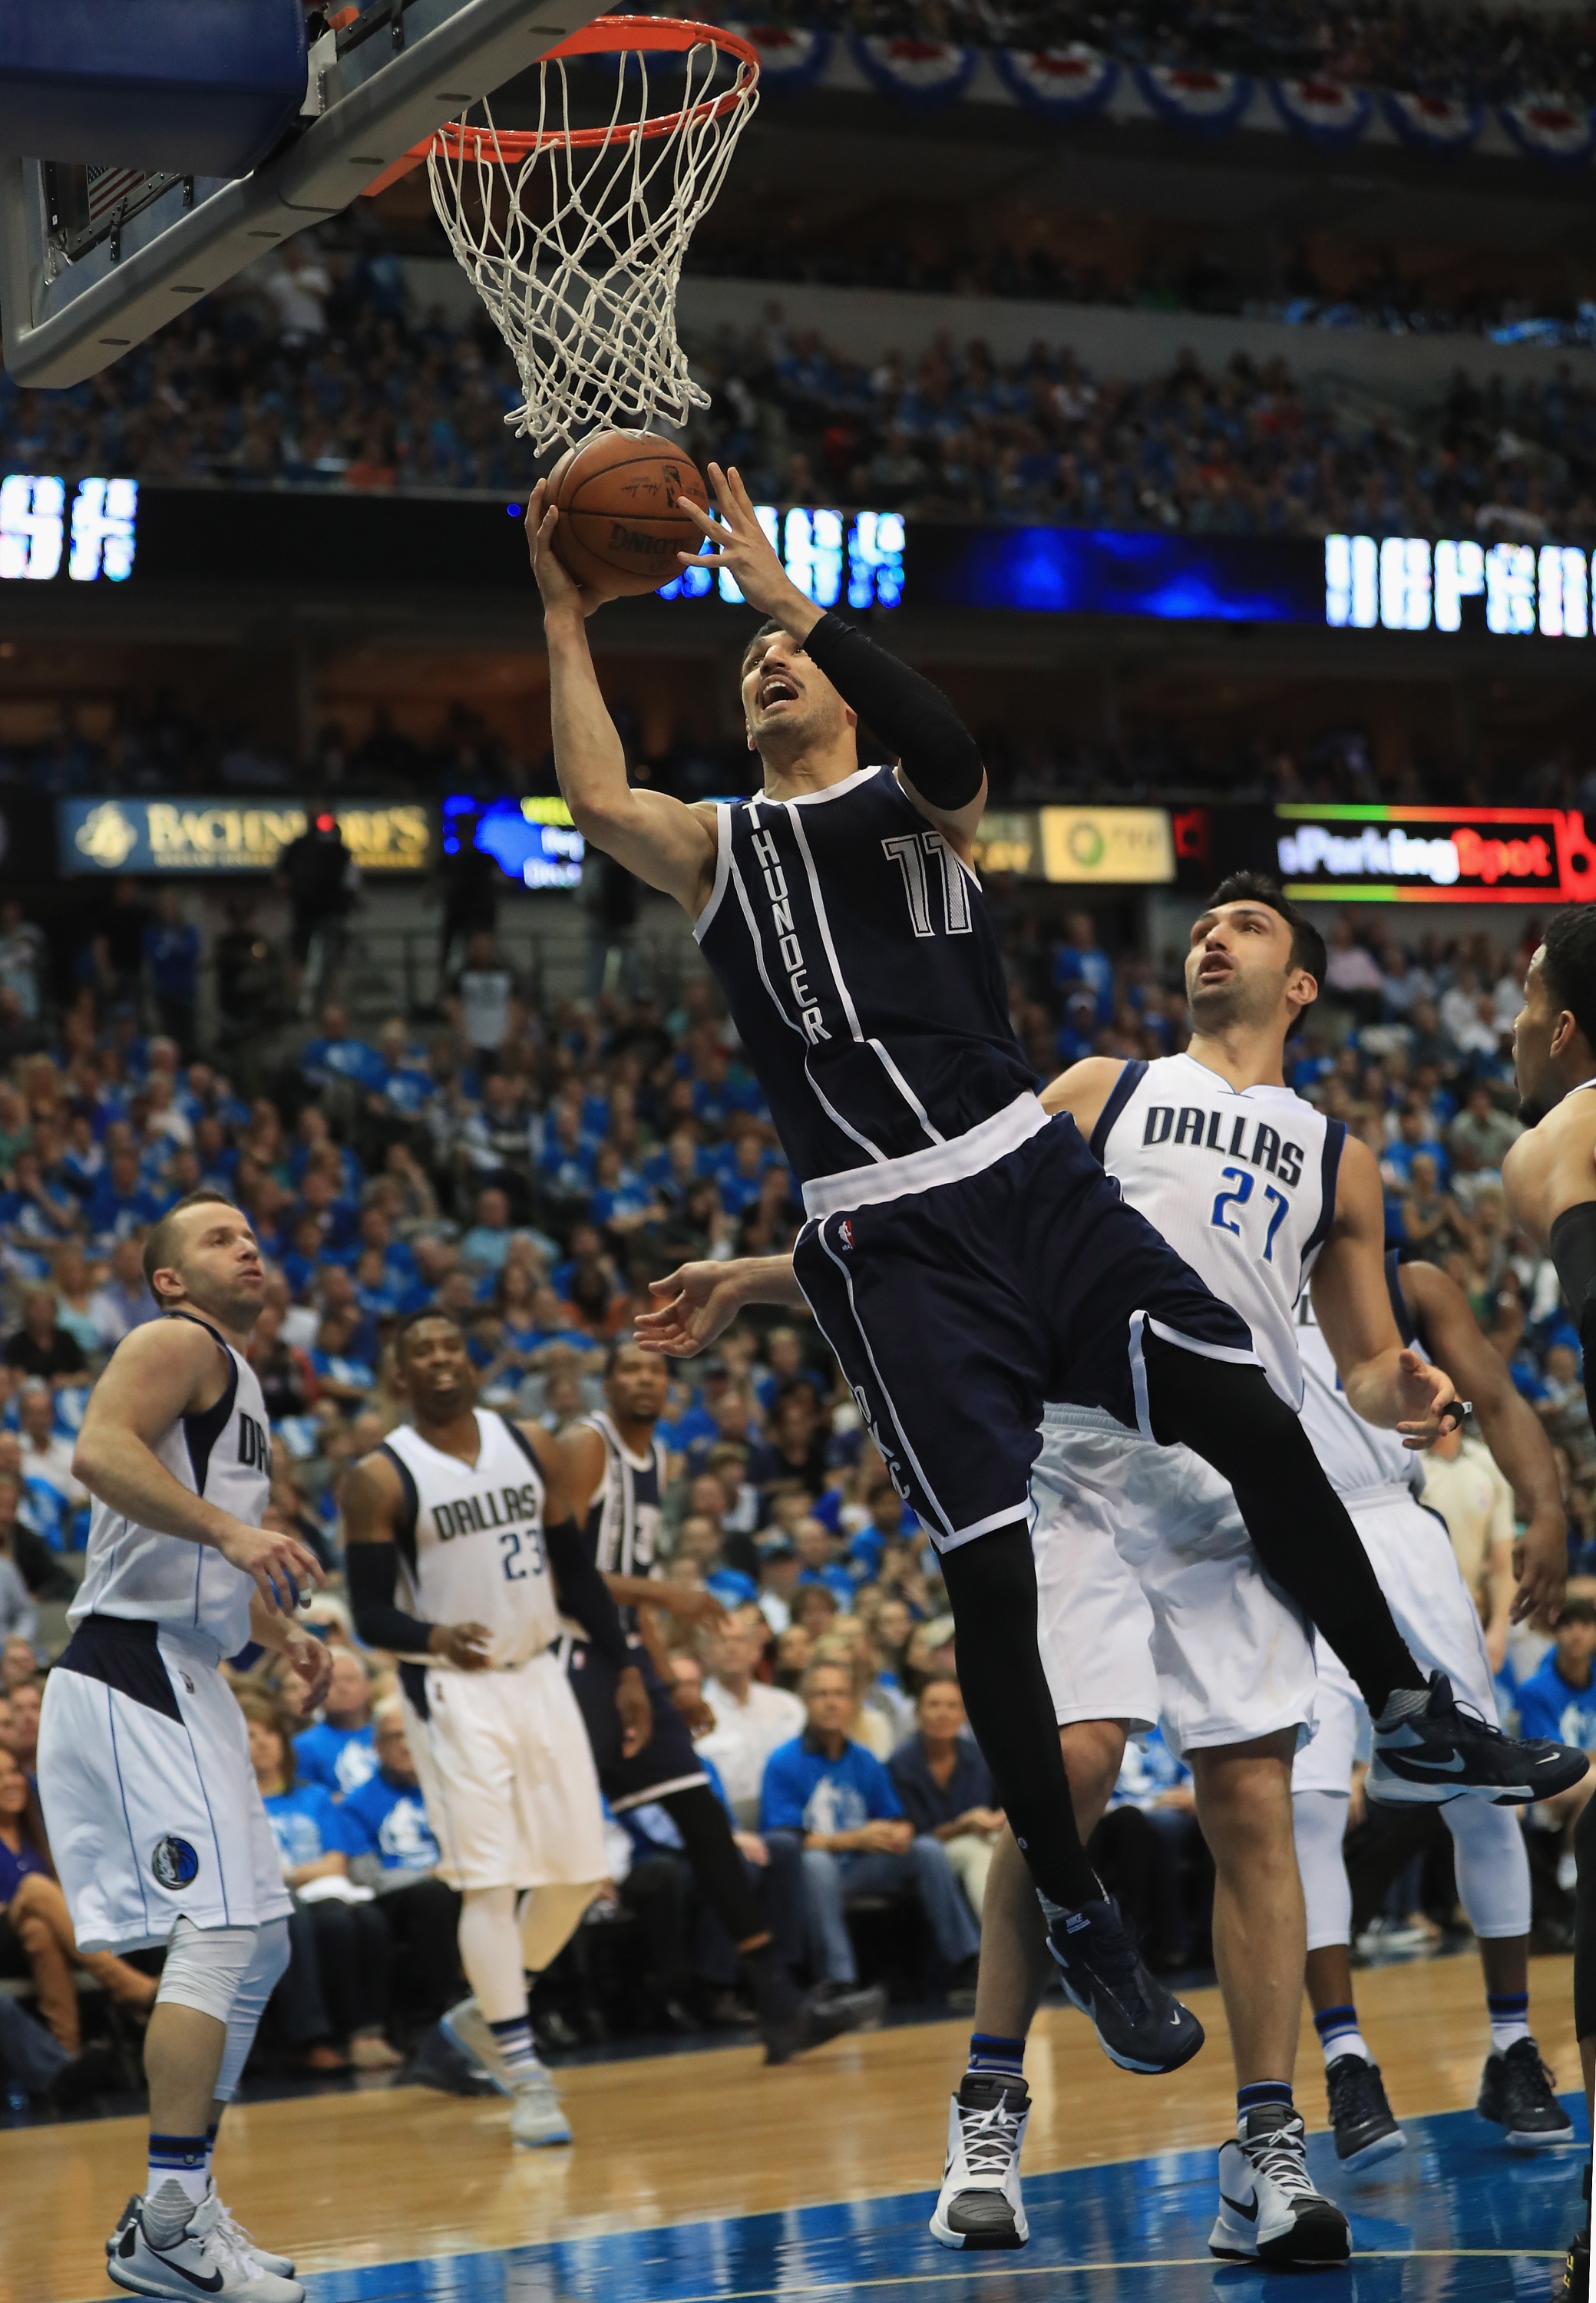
point(619, 530)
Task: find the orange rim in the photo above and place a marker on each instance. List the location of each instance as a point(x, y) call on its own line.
point(606, 35)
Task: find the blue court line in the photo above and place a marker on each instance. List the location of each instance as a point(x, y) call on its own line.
point(1458, 2219)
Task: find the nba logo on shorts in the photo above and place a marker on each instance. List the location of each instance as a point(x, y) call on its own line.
point(845, 1233)
point(174, 1862)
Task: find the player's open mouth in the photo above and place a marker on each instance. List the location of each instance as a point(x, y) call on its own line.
point(1214, 965)
point(777, 689)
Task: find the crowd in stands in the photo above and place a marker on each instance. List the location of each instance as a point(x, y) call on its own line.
point(360, 392)
point(530, 1172)
point(1481, 55)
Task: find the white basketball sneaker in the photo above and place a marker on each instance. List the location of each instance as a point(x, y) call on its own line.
point(1269, 2210)
point(233, 2230)
point(979, 2203)
point(537, 2114)
point(199, 2259)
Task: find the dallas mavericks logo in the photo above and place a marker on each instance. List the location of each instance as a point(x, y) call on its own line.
point(174, 1862)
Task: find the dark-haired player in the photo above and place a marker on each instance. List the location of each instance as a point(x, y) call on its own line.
point(964, 1254)
point(156, 1823)
point(462, 1550)
point(1550, 1175)
point(615, 1474)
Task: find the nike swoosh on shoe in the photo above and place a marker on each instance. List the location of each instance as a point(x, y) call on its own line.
point(1452, 1766)
point(1248, 2214)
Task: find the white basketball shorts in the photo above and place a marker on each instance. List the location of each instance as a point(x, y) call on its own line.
point(148, 1793)
point(1412, 1556)
point(507, 1773)
point(1152, 1605)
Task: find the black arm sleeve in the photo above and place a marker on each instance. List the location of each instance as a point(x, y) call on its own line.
point(913, 719)
point(583, 1593)
point(1573, 1245)
point(371, 1571)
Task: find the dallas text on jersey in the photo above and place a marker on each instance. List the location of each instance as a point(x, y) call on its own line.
point(479, 1514)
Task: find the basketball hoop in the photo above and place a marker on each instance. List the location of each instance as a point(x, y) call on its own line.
point(573, 236)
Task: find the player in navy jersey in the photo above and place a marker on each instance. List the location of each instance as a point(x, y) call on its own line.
point(964, 1254)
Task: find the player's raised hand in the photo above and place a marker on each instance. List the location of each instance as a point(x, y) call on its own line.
point(693, 1306)
point(693, 1604)
point(1430, 1397)
point(285, 1570)
point(468, 1647)
point(559, 589)
point(737, 542)
point(636, 1713)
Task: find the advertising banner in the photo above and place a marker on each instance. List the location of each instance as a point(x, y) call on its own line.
point(1358, 854)
point(203, 836)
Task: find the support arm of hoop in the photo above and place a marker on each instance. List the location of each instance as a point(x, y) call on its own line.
point(912, 718)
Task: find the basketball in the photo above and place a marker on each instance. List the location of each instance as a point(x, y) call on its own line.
point(619, 530)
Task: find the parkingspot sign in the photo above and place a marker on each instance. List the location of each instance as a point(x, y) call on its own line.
point(1436, 854)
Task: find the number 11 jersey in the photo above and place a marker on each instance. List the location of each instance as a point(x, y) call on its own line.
point(1240, 1181)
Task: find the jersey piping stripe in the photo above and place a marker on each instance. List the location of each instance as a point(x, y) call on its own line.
point(748, 912)
point(122, 1795)
point(833, 1114)
point(907, 1093)
point(831, 791)
point(886, 1396)
point(723, 865)
point(825, 925)
point(1407, 1327)
point(1119, 1095)
point(211, 1820)
point(1329, 1165)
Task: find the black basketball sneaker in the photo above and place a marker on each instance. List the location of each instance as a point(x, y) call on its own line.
point(1140, 2025)
point(1443, 1752)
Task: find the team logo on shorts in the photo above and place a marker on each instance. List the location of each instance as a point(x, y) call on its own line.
point(845, 1234)
point(174, 1862)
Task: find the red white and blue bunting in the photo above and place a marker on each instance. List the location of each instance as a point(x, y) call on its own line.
point(791, 57)
point(1074, 81)
point(1070, 83)
point(1550, 128)
point(1194, 97)
point(1322, 110)
point(1440, 124)
point(917, 71)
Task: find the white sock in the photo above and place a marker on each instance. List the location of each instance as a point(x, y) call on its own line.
point(1509, 2013)
point(1339, 2033)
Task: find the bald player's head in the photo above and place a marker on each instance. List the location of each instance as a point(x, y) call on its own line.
point(203, 1256)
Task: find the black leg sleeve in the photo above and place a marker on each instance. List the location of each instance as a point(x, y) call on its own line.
point(992, 1590)
point(1230, 1417)
point(718, 1867)
point(1584, 1925)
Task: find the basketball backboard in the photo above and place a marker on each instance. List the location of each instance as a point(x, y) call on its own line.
point(95, 258)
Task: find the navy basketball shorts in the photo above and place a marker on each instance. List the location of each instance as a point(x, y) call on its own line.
point(667, 1761)
point(960, 1312)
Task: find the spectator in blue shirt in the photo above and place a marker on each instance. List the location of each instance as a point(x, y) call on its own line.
point(339, 1752)
point(172, 963)
point(1083, 965)
point(1559, 1701)
point(336, 1987)
point(334, 1055)
point(120, 1203)
point(945, 1786)
point(838, 1801)
point(393, 1852)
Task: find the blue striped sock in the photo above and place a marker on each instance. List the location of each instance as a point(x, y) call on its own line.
point(1509, 2013)
point(988, 2053)
point(179, 2159)
point(1263, 2092)
point(514, 2040)
point(1339, 2033)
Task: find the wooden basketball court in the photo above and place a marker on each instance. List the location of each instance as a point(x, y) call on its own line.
point(398, 2191)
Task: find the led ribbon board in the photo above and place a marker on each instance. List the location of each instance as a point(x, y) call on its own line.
point(532, 841)
point(1436, 854)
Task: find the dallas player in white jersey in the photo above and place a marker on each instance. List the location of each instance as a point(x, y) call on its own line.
point(155, 1820)
point(462, 1552)
point(1413, 1556)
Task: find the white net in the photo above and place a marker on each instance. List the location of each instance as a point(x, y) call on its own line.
point(573, 234)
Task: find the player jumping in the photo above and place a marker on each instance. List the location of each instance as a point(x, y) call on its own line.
point(964, 1254)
